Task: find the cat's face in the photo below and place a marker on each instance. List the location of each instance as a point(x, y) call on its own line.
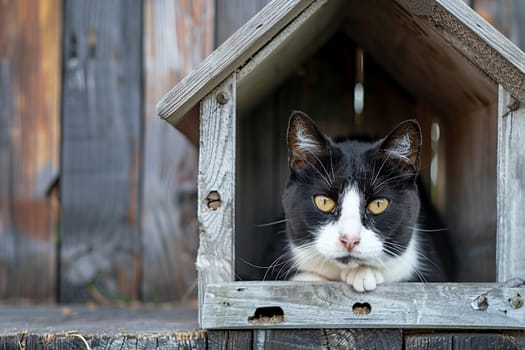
point(351, 202)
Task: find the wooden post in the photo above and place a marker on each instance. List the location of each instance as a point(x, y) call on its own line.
point(510, 257)
point(101, 151)
point(216, 193)
point(29, 148)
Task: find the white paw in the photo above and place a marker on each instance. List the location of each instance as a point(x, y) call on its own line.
point(308, 277)
point(362, 278)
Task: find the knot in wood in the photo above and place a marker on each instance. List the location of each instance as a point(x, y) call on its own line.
point(223, 97)
point(213, 200)
point(418, 7)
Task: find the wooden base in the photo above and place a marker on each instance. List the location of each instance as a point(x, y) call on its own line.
point(167, 327)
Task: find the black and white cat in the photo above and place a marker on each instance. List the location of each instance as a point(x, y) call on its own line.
point(353, 208)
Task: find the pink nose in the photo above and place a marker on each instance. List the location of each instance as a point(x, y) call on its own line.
point(349, 242)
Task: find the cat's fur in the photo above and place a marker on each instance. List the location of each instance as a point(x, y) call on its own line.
point(386, 247)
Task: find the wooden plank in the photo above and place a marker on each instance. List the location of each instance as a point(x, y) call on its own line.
point(336, 305)
point(177, 36)
point(510, 191)
point(101, 154)
point(29, 148)
point(461, 341)
point(232, 14)
point(232, 54)
point(216, 192)
point(73, 340)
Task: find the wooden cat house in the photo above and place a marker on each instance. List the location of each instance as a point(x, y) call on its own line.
point(359, 66)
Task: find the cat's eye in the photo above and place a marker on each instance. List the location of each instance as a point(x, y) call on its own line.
point(378, 205)
point(324, 203)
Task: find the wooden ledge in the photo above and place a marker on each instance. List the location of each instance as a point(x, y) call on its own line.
point(239, 305)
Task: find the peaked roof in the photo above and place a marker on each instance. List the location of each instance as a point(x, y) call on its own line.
point(439, 50)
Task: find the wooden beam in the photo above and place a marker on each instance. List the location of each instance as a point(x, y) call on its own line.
point(510, 255)
point(30, 76)
point(336, 305)
point(228, 57)
point(216, 192)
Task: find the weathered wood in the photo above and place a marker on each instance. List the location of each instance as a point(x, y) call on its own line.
point(216, 192)
point(177, 36)
point(447, 341)
point(232, 14)
point(511, 193)
point(232, 54)
point(101, 151)
point(336, 305)
point(29, 147)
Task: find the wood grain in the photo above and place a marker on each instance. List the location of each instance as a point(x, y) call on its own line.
point(511, 172)
point(101, 151)
point(330, 305)
point(232, 54)
point(29, 147)
point(217, 170)
point(177, 36)
point(448, 341)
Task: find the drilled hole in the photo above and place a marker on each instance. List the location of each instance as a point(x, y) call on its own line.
point(269, 314)
point(361, 308)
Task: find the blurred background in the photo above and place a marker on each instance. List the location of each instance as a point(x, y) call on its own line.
point(97, 194)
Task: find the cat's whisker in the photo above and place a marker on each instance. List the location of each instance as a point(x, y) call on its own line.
point(319, 173)
point(272, 223)
point(427, 230)
point(380, 168)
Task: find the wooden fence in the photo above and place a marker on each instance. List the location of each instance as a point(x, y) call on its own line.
point(97, 195)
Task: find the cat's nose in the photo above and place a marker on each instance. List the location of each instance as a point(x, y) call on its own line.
point(349, 242)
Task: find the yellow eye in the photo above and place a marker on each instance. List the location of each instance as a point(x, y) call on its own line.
point(378, 205)
point(324, 203)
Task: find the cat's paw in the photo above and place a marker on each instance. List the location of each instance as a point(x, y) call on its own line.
point(363, 278)
point(308, 277)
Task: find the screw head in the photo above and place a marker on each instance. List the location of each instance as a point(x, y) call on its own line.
point(223, 97)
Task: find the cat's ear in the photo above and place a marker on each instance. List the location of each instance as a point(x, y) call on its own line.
point(305, 142)
point(404, 145)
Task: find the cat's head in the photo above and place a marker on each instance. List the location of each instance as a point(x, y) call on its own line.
point(351, 202)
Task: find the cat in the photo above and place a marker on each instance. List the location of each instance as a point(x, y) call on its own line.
point(352, 208)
